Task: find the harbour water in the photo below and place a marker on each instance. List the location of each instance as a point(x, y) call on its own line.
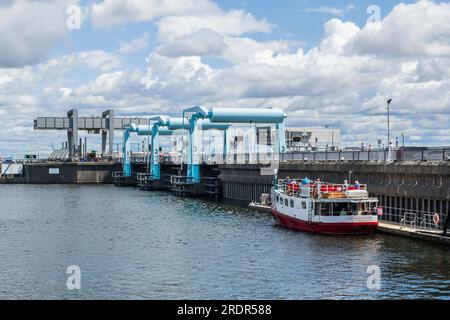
point(132, 244)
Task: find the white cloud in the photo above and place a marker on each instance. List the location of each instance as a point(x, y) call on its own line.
point(242, 49)
point(201, 43)
point(108, 83)
point(234, 22)
point(134, 45)
point(419, 29)
point(345, 77)
point(330, 78)
point(177, 18)
point(109, 13)
point(122, 90)
point(96, 59)
point(338, 34)
point(41, 90)
point(339, 12)
point(30, 29)
point(230, 48)
point(5, 78)
point(167, 72)
point(329, 82)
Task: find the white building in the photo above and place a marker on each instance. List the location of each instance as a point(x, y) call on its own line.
point(301, 139)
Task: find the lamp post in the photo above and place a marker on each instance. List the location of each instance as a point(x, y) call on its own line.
point(389, 121)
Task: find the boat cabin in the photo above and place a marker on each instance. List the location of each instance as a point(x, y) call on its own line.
point(326, 199)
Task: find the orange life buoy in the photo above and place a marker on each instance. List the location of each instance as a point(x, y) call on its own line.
point(436, 219)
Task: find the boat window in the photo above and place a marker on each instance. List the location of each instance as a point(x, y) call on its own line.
point(278, 198)
point(292, 203)
point(363, 208)
point(360, 208)
point(373, 208)
point(317, 209)
point(281, 200)
point(341, 209)
point(286, 202)
point(325, 209)
point(304, 206)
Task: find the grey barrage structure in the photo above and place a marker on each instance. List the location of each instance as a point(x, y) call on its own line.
point(105, 124)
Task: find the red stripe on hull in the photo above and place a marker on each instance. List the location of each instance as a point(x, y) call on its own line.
point(325, 228)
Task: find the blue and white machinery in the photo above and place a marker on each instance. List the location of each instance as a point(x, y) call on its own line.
point(228, 115)
point(161, 126)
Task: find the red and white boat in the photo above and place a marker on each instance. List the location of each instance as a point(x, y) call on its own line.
point(325, 208)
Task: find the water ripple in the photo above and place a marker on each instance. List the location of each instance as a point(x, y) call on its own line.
point(140, 245)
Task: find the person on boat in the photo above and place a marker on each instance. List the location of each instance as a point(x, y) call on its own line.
point(317, 182)
point(318, 188)
point(306, 181)
point(288, 184)
point(345, 185)
point(295, 186)
point(357, 185)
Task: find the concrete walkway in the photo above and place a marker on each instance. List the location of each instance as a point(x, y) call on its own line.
point(397, 230)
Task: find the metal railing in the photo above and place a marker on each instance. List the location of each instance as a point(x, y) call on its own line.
point(398, 154)
point(181, 180)
point(416, 220)
point(383, 155)
point(144, 177)
point(428, 223)
point(410, 219)
point(317, 189)
point(118, 174)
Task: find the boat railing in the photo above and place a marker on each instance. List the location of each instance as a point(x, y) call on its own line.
point(294, 188)
point(318, 189)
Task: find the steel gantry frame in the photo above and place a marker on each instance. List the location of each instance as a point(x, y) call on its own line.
point(106, 124)
point(173, 124)
point(141, 130)
point(160, 126)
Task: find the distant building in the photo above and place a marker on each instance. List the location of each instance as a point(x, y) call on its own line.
point(301, 139)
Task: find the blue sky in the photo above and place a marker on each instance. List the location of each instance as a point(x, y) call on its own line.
point(318, 60)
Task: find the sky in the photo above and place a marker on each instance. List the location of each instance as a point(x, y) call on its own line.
point(323, 62)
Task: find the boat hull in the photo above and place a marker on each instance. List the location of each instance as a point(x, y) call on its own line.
point(354, 228)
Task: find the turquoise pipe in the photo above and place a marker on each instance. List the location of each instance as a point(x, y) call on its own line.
point(229, 115)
